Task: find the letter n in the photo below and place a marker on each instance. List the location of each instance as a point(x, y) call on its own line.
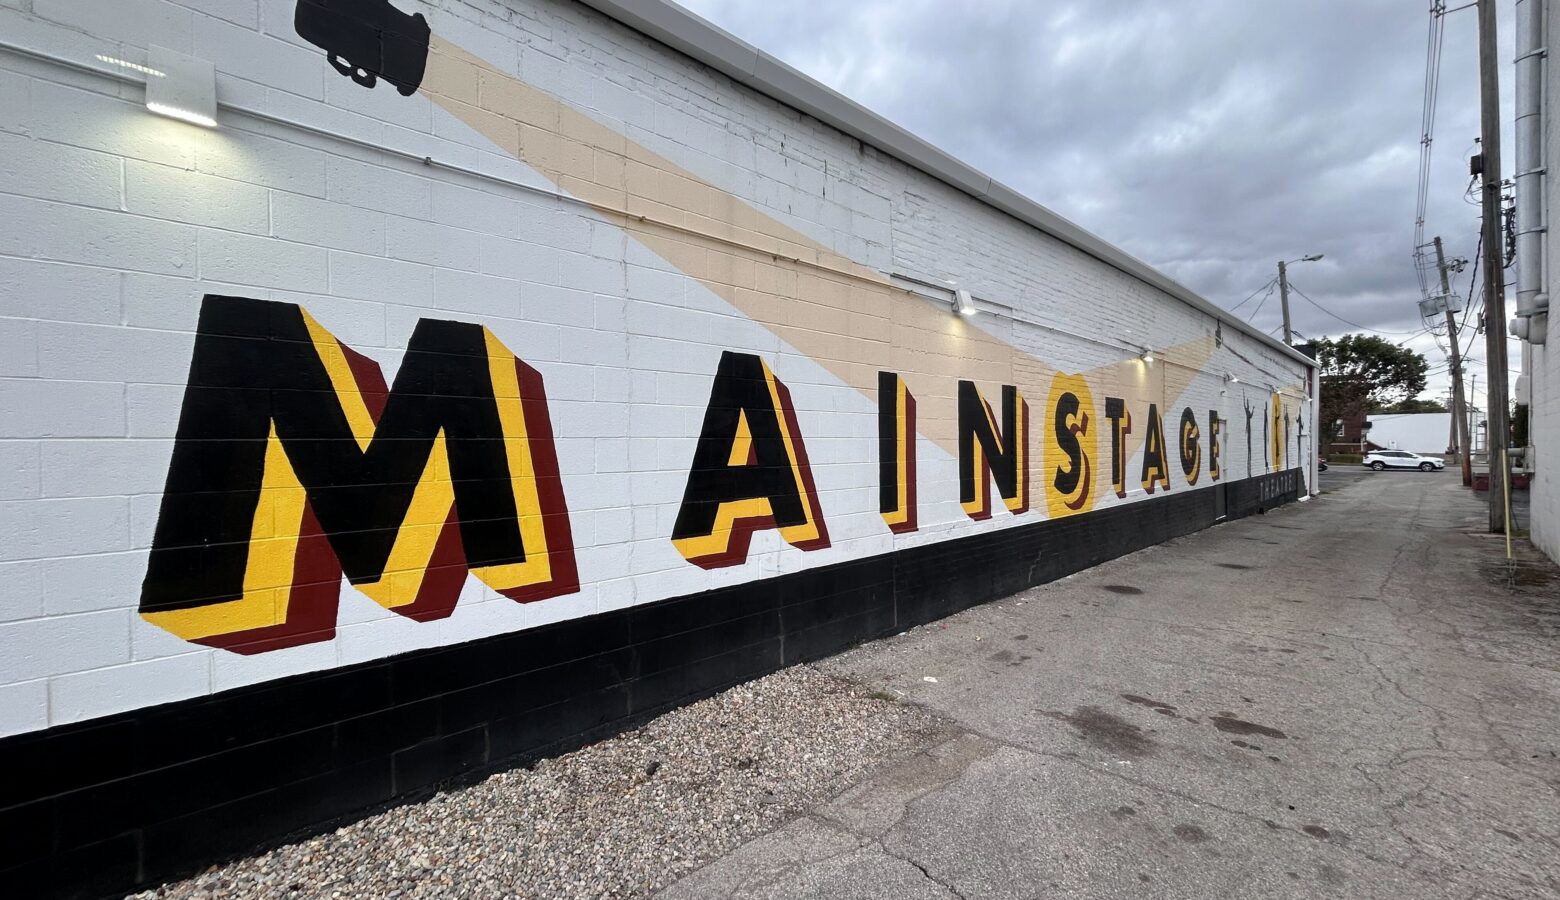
point(750, 471)
point(294, 464)
point(896, 454)
point(986, 454)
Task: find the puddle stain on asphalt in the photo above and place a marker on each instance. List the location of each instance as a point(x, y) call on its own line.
point(1518, 574)
point(1105, 731)
point(1011, 659)
point(1126, 589)
point(1227, 723)
point(1158, 706)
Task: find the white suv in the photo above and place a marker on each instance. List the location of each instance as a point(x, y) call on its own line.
point(1401, 459)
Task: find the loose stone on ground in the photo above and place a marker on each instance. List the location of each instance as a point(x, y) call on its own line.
point(622, 818)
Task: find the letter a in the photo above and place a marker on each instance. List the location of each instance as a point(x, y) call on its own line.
point(750, 471)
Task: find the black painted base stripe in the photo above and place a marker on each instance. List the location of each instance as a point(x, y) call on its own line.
point(106, 806)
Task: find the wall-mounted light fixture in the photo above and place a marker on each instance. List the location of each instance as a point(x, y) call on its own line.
point(1148, 355)
point(148, 71)
point(963, 303)
point(181, 87)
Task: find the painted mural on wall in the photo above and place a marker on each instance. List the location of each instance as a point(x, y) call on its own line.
point(296, 466)
point(1072, 442)
point(750, 470)
point(366, 40)
point(896, 455)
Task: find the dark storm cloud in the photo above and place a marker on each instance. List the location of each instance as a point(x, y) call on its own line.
point(1211, 139)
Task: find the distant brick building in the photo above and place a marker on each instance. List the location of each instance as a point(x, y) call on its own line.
point(1351, 434)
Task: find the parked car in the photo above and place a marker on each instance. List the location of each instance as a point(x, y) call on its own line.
point(1401, 459)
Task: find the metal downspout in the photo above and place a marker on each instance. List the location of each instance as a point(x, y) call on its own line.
point(1529, 130)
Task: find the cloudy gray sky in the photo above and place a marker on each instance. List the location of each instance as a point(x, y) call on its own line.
point(1210, 138)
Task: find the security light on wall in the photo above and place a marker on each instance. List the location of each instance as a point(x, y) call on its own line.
point(963, 303)
point(1148, 354)
point(181, 87)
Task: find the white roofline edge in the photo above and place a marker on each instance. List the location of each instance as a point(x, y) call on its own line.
point(707, 43)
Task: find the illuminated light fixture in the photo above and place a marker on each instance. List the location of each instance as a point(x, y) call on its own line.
point(1148, 355)
point(1229, 378)
point(186, 89)
point(133, 66)
point(963, 303)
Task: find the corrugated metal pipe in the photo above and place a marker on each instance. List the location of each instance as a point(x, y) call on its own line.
point(1531, 298)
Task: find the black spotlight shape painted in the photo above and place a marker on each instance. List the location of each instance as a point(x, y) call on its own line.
point(366, 40)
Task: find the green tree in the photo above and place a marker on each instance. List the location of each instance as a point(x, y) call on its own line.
point(1411, 405)
point(1361, 370)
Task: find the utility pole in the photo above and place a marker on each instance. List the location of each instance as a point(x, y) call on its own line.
point(1497, 430)
point(1459, 421)
point(1283, 298)
point(1473, 393)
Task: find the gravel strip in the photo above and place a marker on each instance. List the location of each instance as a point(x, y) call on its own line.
point(622, 818)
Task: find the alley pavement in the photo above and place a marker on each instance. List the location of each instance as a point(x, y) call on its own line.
point(1356, 696)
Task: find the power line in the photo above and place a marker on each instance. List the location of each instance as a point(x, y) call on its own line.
point(1268, 286)
point(1324, 309)
point(1432, 88)
point(1471, 314)
point(1262, 302)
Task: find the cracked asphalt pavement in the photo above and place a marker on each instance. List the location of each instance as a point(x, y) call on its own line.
point(1350, 697)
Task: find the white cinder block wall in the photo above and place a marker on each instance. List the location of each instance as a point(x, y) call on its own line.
point(114, 224)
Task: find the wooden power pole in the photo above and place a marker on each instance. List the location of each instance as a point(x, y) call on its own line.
point(1459, 417)
point(1497, 429)
point(1283, 299)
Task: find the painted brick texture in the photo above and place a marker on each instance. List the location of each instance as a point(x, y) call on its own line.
point(380, 437)
point(644, 216)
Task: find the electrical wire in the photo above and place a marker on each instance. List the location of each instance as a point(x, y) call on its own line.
point(1260, 304)
point(1324, 309)
point(1432, 88)
point(1269, 287)
point(1470, 314)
